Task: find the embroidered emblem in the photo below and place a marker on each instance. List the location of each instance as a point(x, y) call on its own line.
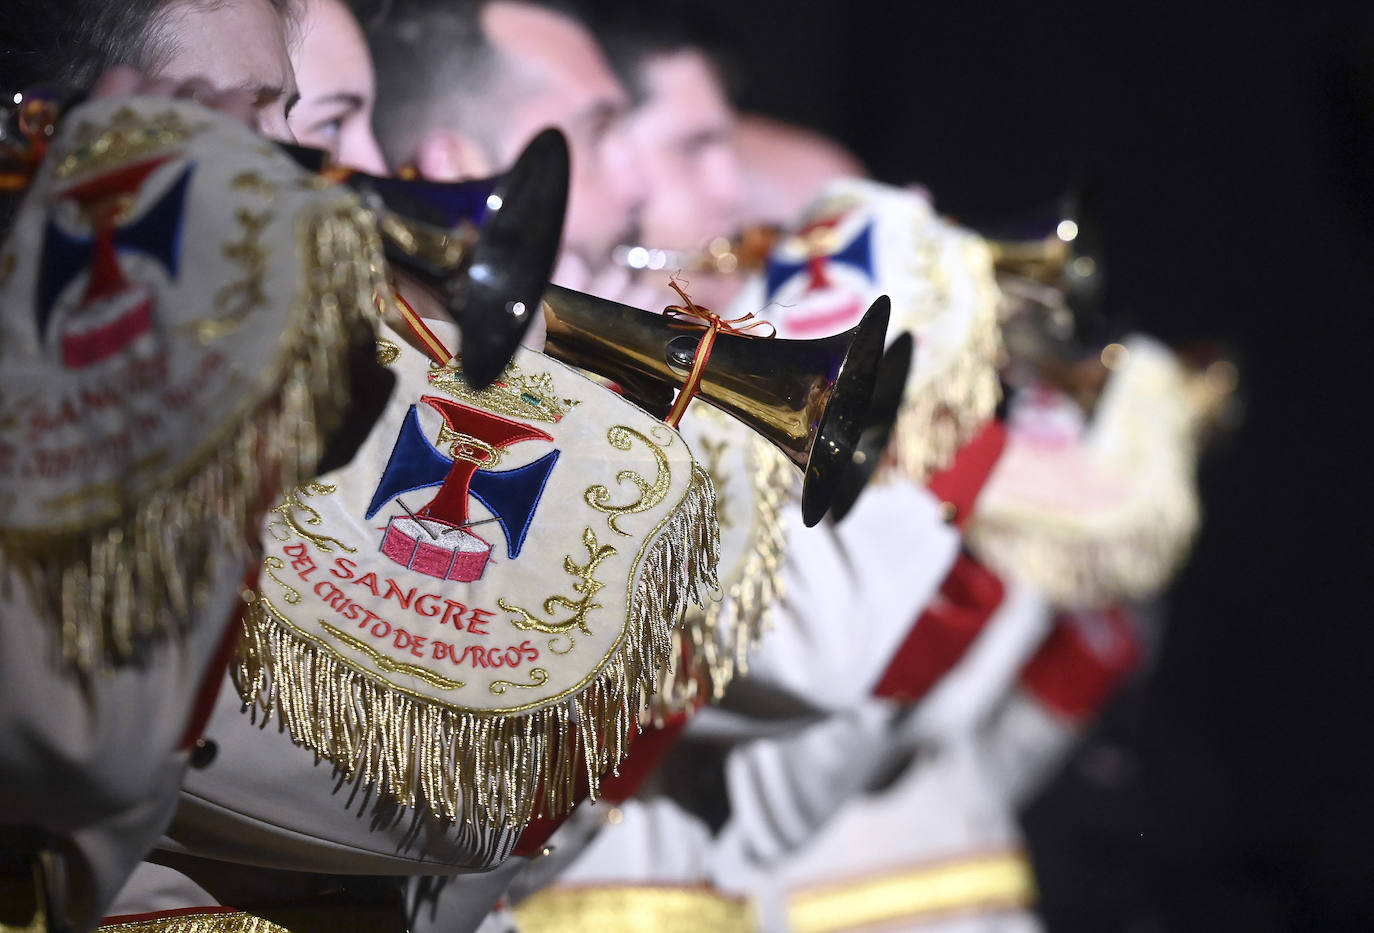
point(820, 276)
point(856, 252)
point(487, 673)
point(121, 256)
point(435, 540)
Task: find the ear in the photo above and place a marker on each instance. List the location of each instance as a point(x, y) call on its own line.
point(446, 155)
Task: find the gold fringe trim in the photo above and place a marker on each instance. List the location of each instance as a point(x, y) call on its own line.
point(633, 909)
point(111, 588)
point(993, 882)
point(1089, 564)
point(488, 767)
point(229, 922)
point(941, 416)
point(1125, 550)
point(354, 918)
point(714, 643)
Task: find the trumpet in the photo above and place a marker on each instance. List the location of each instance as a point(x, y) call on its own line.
point(809, 398)
point(744, 252)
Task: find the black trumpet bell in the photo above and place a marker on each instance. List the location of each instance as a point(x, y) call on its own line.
point(484, 247)
point(888, 391)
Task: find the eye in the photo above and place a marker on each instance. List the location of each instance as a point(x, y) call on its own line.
point(328, 130)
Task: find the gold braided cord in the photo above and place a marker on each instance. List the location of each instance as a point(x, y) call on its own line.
point(504, 768)
point(111, 588)
point(997, 881)
point(634, 908)
point(719, 637)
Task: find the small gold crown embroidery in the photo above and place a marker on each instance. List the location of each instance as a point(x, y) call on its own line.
point(515, 394)
point(127, 137)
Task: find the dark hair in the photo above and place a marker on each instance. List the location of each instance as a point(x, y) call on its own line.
point(70, 43)
point(633, 35)
point(423, 51)
point(436, 68)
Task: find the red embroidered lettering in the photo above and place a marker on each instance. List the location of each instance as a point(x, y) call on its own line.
point(404, 600)
point(343, 568)
point(455, 612)
point(368, 580)
point(427, 610)
point(476, 619)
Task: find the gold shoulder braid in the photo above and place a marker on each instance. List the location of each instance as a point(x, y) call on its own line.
point(861, 239)
point(176, 322)
point(471, 614)
point(752, 481)
point(1112, 516)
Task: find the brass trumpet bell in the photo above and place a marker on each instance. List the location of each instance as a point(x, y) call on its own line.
point(809, 398)
point(888, 391)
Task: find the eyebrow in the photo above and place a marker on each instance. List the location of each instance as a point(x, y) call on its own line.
point(603, 113)
point(264, 94)
point(354, 101)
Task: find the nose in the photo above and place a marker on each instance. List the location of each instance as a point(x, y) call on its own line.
point(624, 172)
point(271, 122)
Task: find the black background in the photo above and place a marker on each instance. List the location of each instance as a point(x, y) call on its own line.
point(1230, 158)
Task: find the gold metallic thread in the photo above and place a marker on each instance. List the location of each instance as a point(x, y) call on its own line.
point(391, 666)
point(488, 767)
point(293, 514)
point(587, 586)
point(1127, 549)
point(313, 919)
point(650, 493)
point(126, 137)
point(516, 394)
point(229, 922)
point(121, 578)
point(721, 634)
point(236, 300)
point(942, 415)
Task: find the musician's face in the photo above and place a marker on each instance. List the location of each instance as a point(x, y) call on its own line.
point(337, 87)
point(234, 44)
point(683, 133)
point(571, 86)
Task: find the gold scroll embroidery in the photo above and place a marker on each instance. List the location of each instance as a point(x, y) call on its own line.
point(587, 586)
point(650, 494)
